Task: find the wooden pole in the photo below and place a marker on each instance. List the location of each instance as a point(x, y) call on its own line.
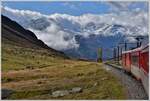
point(115, 54)
point(125, 50)
point(118, 54)
point(99, 55)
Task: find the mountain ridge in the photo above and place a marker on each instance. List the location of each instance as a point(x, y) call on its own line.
point(64, 32)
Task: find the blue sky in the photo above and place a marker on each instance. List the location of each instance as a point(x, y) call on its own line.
point(72, 8)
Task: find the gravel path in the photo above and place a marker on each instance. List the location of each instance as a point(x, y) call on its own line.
point(134, 88)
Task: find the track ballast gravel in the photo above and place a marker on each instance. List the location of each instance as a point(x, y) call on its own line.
point(134, 88)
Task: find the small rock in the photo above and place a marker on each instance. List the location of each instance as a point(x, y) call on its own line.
point(104, 78)
point(95, 84)
point(76, 90)
point(60, 93)
point(108, 69)
point(6, 93)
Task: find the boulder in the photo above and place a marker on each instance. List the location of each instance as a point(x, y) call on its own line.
point(76, 90)
point(60, 93)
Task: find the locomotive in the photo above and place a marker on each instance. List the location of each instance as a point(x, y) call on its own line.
point(136, 62)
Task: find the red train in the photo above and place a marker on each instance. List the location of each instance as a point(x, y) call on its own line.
point(136, 61)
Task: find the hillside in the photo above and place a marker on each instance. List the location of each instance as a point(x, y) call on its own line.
point(32, 70)
point(16, 35)
point(20, 46)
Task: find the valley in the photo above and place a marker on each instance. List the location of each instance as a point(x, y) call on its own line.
point(74, 50)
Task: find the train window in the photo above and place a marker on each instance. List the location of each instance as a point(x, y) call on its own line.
point(135, 60)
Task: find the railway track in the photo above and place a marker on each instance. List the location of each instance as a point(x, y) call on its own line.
point(134, 88)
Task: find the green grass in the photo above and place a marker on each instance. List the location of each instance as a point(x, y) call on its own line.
point(35, 74)
point(18, 58)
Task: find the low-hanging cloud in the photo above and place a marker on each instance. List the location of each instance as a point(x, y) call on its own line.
point(59, 30)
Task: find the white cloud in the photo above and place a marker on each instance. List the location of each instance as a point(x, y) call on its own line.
point(58, 30)
point(119, 5)
point(126, 6)
point(72, 6)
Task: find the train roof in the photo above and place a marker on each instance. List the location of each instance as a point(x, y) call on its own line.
point(133, 50)
point(142, 48)
point(146, 48)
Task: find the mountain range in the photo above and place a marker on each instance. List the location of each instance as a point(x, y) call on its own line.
point(81, 36)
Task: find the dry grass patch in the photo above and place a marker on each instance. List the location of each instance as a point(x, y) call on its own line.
point(35, 84)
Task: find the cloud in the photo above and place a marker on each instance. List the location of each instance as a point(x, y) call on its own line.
point(127, 5)
point(59, 30)
point(119, 5)
point(44, 28)
point(56, 39)
point(72, 6)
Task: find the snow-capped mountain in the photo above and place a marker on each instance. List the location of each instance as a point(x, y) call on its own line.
point(80, 36)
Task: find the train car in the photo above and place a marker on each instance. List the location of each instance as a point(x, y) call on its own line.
point(131, 61)
point(136, 62)
point(144, 68)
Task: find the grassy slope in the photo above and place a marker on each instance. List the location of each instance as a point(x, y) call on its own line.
point(34, 74)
